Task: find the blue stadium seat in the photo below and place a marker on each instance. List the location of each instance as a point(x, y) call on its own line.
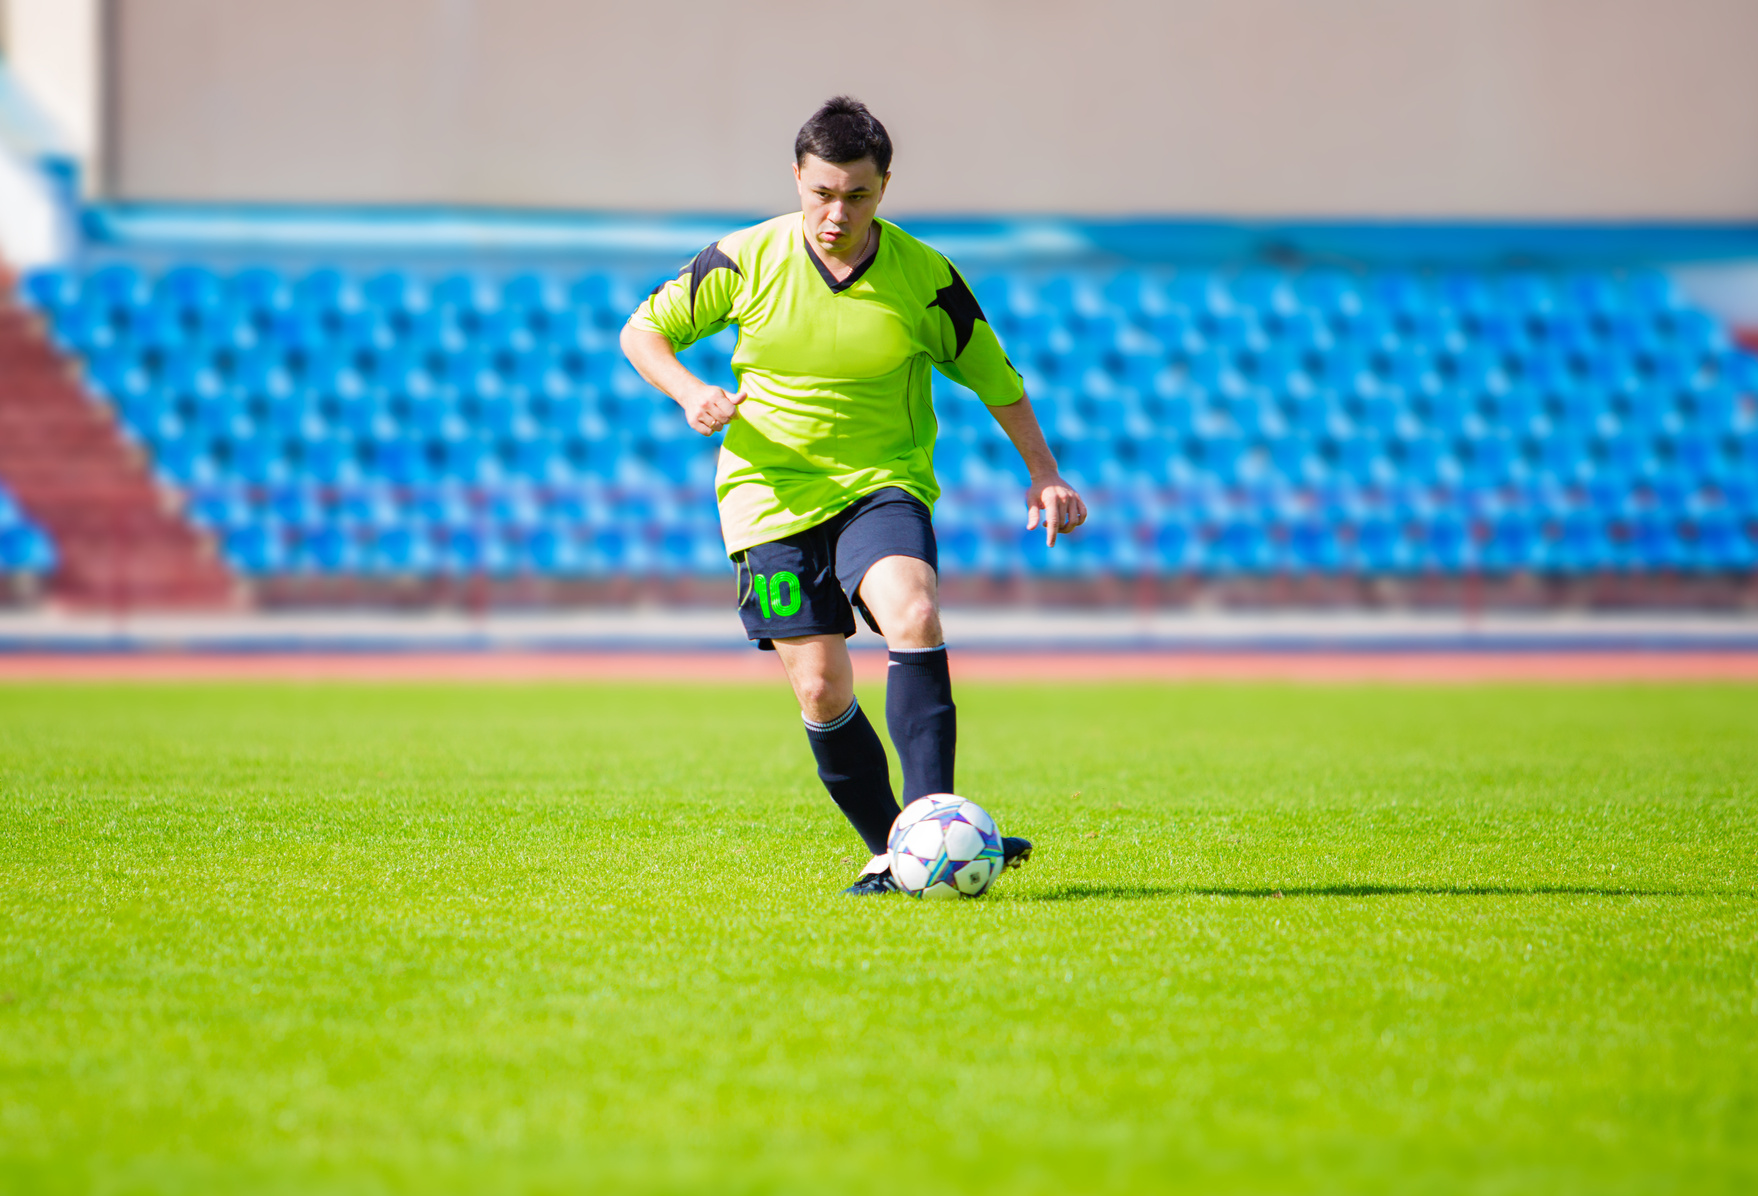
point(1312, 545)
point(330, 421)
point(24, 547)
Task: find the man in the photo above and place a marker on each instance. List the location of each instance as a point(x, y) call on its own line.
point(826, 474)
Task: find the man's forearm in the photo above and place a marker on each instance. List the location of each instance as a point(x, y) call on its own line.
point(707, 408)
point(1020, 423)
point(656, 361)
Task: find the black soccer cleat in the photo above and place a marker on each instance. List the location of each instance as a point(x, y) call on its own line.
point(871, 884)
point(1015, 851)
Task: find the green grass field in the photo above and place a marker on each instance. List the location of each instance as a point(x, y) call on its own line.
point(588, 938)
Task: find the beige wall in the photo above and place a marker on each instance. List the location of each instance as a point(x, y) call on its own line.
point(1436, 108)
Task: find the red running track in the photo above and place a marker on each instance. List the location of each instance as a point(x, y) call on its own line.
point(968, 665)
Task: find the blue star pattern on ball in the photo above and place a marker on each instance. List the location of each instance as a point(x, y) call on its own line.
point(944, 847)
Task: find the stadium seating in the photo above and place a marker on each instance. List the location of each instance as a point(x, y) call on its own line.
point(24, 548)
point(1249, 422)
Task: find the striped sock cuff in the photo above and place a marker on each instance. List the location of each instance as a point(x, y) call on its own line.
point(841, 720)
point(915, 651)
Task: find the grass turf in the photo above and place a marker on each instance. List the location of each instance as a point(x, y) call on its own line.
point(568, 938)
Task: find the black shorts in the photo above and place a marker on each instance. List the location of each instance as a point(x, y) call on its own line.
point(809, 583)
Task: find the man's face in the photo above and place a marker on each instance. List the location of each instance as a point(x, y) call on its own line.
point(839, 201)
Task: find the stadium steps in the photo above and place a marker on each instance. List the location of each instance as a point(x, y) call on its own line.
point(121, 542)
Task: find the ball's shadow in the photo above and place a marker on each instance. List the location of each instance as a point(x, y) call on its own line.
point(1129, 892)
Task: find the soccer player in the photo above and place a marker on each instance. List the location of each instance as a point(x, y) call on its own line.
point(826, 473)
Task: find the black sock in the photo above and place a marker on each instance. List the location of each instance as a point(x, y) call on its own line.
point(922, 719)
point(852, 765)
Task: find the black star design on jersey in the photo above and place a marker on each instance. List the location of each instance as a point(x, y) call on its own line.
point(961, 307)
point(698, 269)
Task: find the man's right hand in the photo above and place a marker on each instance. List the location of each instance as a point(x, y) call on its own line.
point(710, 409)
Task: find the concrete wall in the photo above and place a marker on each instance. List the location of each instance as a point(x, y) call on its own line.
point(53, 48)
point(1420, 108)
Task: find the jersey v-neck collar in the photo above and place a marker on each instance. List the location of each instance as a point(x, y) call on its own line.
point(837, 288)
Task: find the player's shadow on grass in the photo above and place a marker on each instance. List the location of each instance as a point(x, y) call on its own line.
point(1124, 892)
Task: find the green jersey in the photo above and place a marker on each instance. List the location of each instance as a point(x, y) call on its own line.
point(836, 374)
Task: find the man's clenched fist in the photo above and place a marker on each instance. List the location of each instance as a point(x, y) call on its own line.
point(710, 409)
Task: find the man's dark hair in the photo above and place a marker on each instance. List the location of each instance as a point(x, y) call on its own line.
point(843, 131)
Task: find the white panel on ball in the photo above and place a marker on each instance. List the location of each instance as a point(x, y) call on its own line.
point(963, 841)
point(974, 877)
point(904, 821)
point(909, 871)
point(979, 818)
point(923, 839)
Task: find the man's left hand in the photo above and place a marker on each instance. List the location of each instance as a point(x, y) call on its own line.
point(1061, 508)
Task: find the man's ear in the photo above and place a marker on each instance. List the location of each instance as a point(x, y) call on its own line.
point(884, 183)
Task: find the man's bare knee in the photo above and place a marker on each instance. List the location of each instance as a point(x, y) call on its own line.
point(917, 624)
point(903, 595)
point(823, 679)
point(822, 698)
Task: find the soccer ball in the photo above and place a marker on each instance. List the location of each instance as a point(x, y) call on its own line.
point(943, 847)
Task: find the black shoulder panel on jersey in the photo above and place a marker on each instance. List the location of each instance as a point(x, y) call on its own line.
point(709, 259)
point(956, 300)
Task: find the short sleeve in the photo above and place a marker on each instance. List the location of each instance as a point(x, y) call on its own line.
point(971, 353)
point(699, 302)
